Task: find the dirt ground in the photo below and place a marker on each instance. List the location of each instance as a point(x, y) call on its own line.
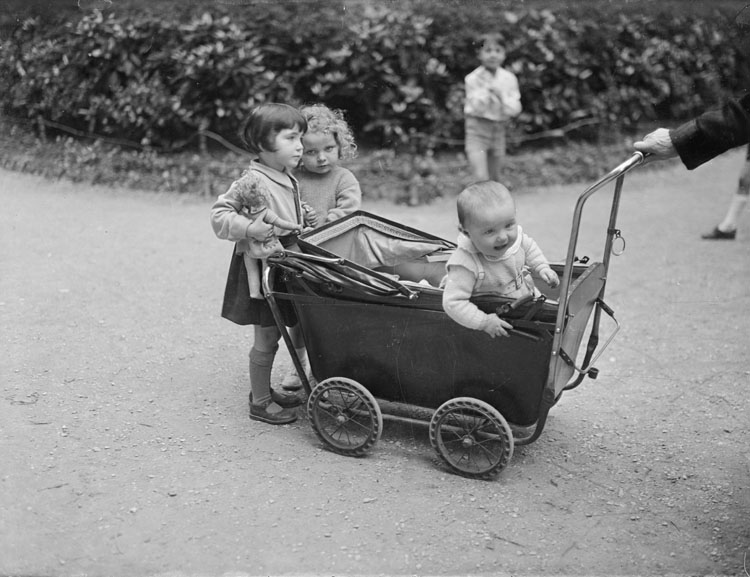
point(127, 450)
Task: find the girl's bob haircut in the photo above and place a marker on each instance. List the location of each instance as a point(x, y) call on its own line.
point(265, 121)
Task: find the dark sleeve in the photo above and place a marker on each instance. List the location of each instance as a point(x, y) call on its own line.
point(713, 132)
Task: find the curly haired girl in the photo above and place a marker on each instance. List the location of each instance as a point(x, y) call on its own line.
point(328, 191)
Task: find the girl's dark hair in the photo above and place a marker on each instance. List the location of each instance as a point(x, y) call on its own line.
point(265, 121)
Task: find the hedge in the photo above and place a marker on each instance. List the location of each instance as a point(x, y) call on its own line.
point(396, 69)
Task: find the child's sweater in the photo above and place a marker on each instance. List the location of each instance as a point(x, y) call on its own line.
point(471, 273)
point(332, 195)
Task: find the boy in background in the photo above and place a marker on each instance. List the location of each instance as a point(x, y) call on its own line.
point(492, 99)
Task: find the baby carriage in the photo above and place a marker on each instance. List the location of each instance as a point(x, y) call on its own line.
point(366, 292)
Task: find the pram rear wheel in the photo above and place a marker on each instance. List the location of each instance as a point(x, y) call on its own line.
point(472, 437)
point(345, 416)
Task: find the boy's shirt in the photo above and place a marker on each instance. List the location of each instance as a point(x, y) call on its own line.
point(491, 96)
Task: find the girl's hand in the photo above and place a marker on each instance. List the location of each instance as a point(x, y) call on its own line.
point(310, 216)
point(550, 277)
point(259, 230)
point(497, 327)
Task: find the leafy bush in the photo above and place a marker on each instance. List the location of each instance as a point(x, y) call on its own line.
point(397, 69)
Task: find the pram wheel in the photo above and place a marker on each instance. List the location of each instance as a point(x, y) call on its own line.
point(345, 416)
point(472, 437)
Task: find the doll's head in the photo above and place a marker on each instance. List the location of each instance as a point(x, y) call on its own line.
point(251, 192)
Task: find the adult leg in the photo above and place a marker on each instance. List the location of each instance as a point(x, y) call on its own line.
point(738, 202)
point(727, 228)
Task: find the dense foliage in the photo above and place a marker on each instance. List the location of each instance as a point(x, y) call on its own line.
point(397, 69)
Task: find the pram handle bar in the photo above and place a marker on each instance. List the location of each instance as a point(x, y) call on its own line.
point(618, 175)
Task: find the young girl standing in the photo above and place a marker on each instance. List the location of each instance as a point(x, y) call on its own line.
point(328, 191)
point(272, 133)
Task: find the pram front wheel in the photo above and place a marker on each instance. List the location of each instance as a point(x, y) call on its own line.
point(345, 416)
point(472, 437)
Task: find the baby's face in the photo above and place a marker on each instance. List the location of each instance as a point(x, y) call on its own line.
point(493, 230)
point(321, 152)
point(492, 56)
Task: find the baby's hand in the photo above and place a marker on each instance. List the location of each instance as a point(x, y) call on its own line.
point(497, 327)
point(311, 217)
point(550, 277)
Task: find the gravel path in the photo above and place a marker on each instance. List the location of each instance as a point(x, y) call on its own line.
point(127, 451)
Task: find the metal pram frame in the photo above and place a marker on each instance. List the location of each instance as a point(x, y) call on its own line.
point(365, 291)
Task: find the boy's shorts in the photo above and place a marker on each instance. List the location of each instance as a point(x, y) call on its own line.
point(484, 135)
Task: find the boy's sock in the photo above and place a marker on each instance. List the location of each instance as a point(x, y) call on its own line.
point(733, 213)
point(261, 364)
point(292, 381)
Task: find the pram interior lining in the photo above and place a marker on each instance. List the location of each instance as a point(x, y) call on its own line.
point(384, 247)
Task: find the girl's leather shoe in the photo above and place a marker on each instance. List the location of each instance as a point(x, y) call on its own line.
point(282, 417)
point(717, 234)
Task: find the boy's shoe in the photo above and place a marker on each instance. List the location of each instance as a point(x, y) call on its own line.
point(282, 417)
point(283, 399)
point(717, 234)
point(292, 382)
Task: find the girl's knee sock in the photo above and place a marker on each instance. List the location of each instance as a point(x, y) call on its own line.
point(261, 364)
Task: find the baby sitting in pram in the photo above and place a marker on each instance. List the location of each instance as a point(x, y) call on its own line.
point(493, 256)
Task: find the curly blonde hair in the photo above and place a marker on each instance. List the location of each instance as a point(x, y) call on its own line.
point(320, 118)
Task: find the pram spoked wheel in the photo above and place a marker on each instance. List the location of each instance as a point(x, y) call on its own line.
point(345, 416)
point(472, 437)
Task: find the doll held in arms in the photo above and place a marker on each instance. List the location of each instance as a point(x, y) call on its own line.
point(252, 193)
